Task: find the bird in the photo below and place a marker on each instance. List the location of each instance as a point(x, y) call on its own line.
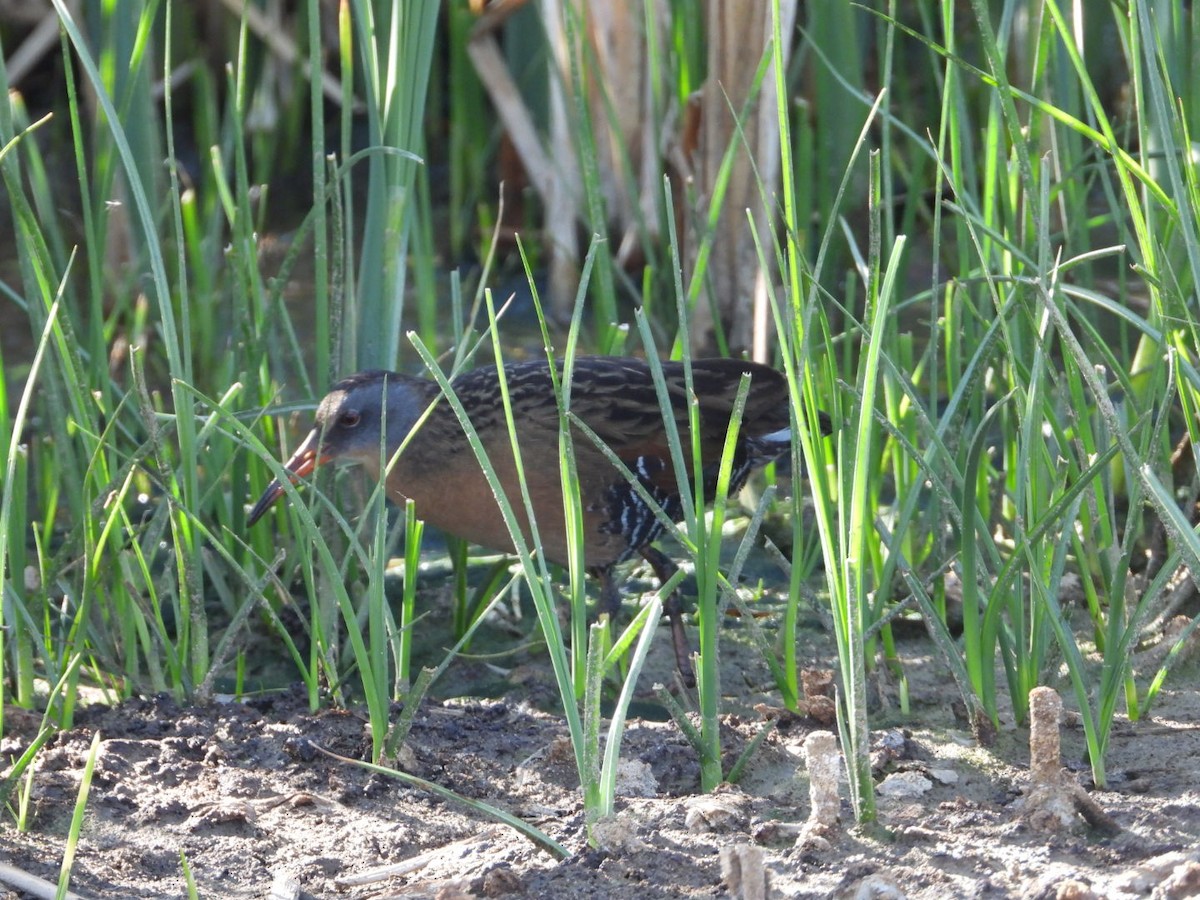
point(615, 397)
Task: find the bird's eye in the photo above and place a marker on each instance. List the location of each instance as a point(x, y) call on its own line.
point(350, 418)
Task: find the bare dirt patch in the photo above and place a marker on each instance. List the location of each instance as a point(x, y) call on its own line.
point(238, 790)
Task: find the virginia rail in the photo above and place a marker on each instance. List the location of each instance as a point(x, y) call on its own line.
point(614, 396)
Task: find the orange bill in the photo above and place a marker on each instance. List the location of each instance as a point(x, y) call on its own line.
point(302, 463)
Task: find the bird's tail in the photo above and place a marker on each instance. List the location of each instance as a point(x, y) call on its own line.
point(766, 448)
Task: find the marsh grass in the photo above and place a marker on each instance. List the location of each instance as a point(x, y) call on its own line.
point(988, 275)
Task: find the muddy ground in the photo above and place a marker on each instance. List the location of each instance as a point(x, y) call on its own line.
point(239, 791)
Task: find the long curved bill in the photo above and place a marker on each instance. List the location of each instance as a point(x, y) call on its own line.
point(302, 463)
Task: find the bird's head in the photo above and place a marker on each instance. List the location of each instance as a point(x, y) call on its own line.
point(363, 420)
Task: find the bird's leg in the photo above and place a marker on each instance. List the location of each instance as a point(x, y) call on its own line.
point(610, 593)
point(664, 567)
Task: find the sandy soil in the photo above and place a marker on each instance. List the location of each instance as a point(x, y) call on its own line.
point(238, 790)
